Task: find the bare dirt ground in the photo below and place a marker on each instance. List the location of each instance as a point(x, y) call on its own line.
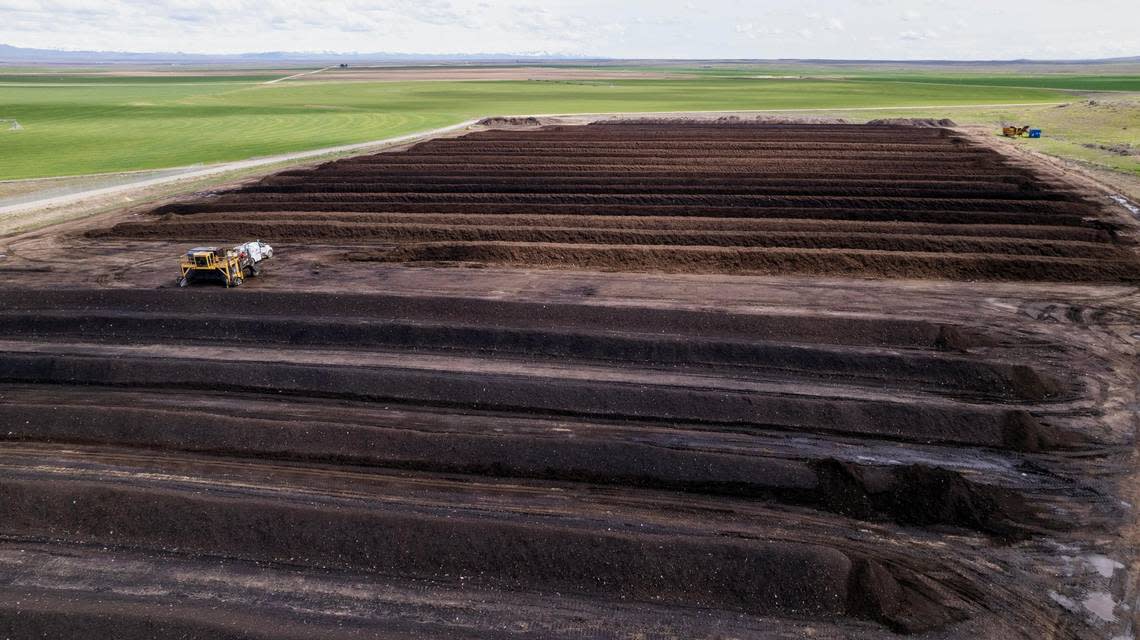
point(360, 446)
point(41, 192)
point(883, 200)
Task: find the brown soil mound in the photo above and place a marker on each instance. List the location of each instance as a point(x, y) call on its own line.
point(321, 431)
point(893, 198)
point(289, 226)
point(703, 259)
point(912, 122)
point(721, 120)
point(509, 122)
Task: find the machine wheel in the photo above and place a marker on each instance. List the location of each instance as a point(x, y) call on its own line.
point(182, 282)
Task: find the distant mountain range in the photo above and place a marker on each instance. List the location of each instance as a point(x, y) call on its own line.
point(1129, 59)
point(10, 54)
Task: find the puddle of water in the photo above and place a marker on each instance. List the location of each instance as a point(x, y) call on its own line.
point(1105, 566)
point(1067, 603)
point(1101, 605)
point(1124, 202)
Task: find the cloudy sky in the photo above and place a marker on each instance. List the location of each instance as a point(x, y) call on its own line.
point(894, 29)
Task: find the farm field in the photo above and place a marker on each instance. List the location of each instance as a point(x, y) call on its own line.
point(692, 378)
point(1103, 76)
point(110, 124)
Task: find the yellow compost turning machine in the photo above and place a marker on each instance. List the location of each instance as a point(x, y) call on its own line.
point(229, 266)
point(1018, 132)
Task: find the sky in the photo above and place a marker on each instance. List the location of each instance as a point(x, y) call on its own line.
point(762, 29)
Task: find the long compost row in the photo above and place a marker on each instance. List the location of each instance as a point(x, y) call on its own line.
point(608, 453)
point(829, 199)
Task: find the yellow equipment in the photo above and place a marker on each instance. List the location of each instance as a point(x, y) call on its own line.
point(230, 266)
point(212, 262)
point(1014, 132)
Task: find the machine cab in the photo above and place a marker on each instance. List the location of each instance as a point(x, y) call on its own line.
point(205, 257)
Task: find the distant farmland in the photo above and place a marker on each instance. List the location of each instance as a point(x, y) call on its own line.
point(88, 125)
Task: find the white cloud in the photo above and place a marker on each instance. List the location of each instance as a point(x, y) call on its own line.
point(918, 35)
point(630, 28)
point(756, 32)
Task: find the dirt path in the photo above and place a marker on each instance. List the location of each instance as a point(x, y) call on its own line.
point(298, 75)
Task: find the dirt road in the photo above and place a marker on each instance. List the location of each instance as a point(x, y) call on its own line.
point(296, 76)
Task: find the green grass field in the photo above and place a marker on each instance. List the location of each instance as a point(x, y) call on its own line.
point(10, 80)
point(107, 124)
point(76, 128)
point(1091, 77)
point(1073, 82)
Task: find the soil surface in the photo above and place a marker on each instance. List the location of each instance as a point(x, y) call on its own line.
point(885, 200)
point(760, 396)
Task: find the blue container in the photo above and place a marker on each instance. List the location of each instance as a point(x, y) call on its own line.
point(1034, 133)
